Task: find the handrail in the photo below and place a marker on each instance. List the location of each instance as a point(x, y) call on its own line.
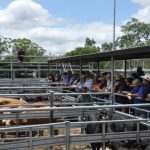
point(78, 107)
point(68, 138)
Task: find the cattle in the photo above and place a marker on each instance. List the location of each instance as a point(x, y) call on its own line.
point(11, 101)
point(123, 127)
point(35, 120)
point(114, 127)
point(95, 128)
point(32, 121)
point(6, 103)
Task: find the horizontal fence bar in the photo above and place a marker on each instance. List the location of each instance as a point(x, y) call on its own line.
point(78, 107)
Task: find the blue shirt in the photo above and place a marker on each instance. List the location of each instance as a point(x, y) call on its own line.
point(138, 91)
point(146, 91)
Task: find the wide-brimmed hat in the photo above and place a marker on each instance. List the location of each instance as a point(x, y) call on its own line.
point(118, 77)
point(136, 82)
point(108, 76)
point(146, 77)
point(102, 77)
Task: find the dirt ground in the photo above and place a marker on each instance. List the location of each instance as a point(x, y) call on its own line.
point(73, 146)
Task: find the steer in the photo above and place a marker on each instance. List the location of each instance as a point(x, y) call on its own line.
point(95, 128)
point(8, 103)
point(11, 101)
point(124, 127)
point(33, 121)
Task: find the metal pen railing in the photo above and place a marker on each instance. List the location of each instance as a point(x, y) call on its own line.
point(68, 139)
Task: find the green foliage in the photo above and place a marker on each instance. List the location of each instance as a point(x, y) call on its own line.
point(105, 65)
point(31, 49)
point(88, 49)
point(5, 44)
point(89, 42)
point(8, 45)
point(82, 50)
point(106, 47)
point(135, 34)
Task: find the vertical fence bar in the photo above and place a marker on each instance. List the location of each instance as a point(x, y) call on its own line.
point(51, 112)
point(17, 123)
point(51, 97)
point(30, 138)
point(103, 133)
point(12, 77)
point(112, 78)
point(67, 135)
point(82, 115)
point(138, 131)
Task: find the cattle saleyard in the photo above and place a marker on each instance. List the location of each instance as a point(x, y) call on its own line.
point(63, 106)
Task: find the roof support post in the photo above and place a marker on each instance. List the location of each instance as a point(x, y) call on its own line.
point(114, 24)
point(112, 78)
point(80, 67)
point(125, 68)
point(98, 66)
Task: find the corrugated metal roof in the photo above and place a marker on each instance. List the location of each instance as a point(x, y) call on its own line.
point(132, 53)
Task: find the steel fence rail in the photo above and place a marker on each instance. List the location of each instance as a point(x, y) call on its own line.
point(78, 107)
point(68, 139)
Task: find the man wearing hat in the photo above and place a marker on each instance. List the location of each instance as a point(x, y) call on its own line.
point(120, 84)
point(145, 92)
point(146, 89)
point(146, 83)
point(136, 91)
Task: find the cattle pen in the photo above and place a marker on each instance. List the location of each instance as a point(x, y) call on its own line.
point(59, 106)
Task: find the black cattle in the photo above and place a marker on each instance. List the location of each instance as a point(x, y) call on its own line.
point(115, 127)
point(144, 145)
point(95, 128)
point(125, 127)
point(122, 126)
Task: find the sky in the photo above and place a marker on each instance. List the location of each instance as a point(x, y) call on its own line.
point(60, 26)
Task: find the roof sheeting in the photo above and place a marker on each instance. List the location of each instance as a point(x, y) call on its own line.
point(132, 53)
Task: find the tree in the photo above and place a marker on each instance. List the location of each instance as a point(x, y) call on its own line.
point(89, 42)
point(135, 34)
point(5, 44)
point(81, 51)
point(12, 46)
point(106, 47)
point(30, 48)
point(87, 49)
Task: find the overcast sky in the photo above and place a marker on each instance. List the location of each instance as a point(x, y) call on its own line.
point(61, 25)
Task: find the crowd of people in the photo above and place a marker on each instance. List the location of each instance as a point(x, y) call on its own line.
point(135, 88)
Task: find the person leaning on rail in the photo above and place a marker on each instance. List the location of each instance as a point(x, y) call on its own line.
point(84, 98)
point(119, 86)
point(136, 91)
point(108, 83)
point(100, 84)
point(144, 94)
point(129, 83)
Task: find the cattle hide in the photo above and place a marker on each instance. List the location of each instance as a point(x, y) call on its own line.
point(95, 128)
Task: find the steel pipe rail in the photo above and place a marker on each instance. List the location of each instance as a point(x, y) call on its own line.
point(26, 94)
point(59, 112)
point(44, 141)
point(89, 93)
point(41, 114)
point(78, 107)
point(35, 87)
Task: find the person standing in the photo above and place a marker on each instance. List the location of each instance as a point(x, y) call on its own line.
point(21, 54)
